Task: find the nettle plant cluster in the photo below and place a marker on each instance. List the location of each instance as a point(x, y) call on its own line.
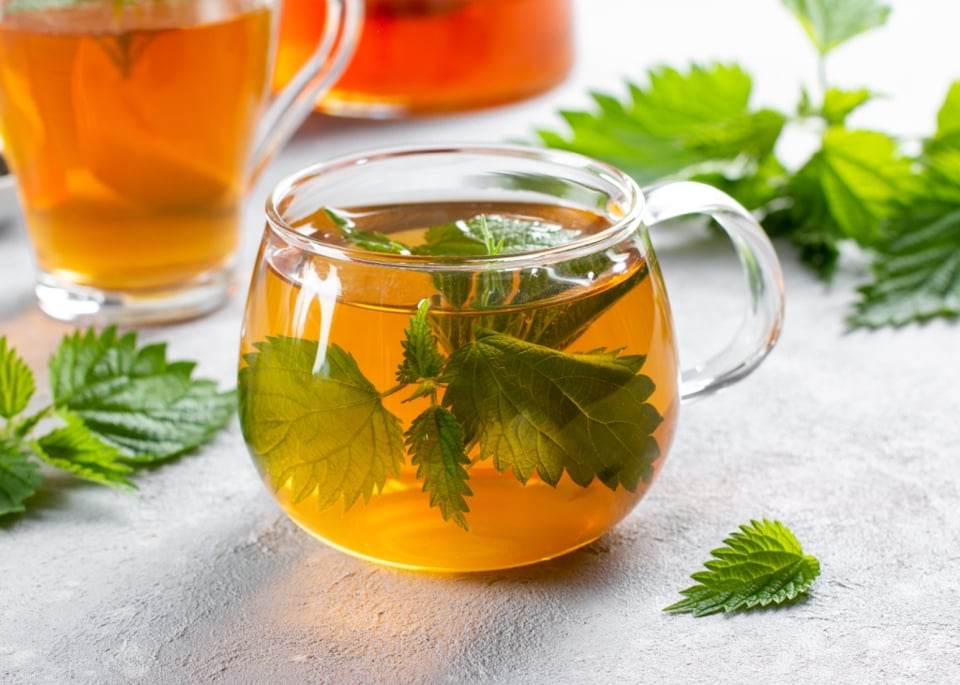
point(865, 188)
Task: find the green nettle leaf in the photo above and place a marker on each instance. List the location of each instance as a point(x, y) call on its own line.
point(436, 445)
point(316, 422)
point(806, 219)
point(19, 479)
point(120, 407)
point(421, 358)
point(148, 408)
point(679, 123)
point(482, 235)
point(917, 272)
point(452, 239)
point(846, 191)
point(16, 381)
point(947, 134)
point(839, 104)
point(492, 234)
point(761, 565)
point(537, 410)
point(861, 174)
point(830, 23)
point(76, 449)
point(560, 325)
point(366, 240)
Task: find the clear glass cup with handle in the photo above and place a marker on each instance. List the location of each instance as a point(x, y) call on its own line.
point(134, 129)
point(463, 358)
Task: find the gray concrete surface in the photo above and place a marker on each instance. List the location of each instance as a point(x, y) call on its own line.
point(850, 438)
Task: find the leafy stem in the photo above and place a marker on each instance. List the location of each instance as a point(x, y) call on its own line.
point(116, 407)
point(857, 188)
point(527, 407)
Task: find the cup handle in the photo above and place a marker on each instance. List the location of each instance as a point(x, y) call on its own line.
point(763, 318)
point(292, 105)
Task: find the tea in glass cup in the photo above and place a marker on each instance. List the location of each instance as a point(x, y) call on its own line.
point(132, 129)
point(463, 359)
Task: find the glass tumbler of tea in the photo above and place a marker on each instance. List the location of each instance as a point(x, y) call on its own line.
point(419, 57)
point(134, 130)
point(463, 358)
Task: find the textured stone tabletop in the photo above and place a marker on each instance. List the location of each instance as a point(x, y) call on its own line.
point(851, 438)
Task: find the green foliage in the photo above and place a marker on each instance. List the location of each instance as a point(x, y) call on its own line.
point(858, 187)
point(830, 23)
point(320, 428)
point(19, 479)
point(679, 122)
point(118, 406)
point(435, 441)
point(76, 449)
point(535, 409)
point(762, 564)
point(133, 399)
point(367, 240)
point(421, 358)
point(16, 382)
point(317, 421)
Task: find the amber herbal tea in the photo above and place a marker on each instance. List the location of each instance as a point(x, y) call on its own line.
point(131, 133)
point(437, 399)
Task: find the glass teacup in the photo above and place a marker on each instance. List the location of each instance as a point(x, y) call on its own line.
point(134, 130)
point(463, 358)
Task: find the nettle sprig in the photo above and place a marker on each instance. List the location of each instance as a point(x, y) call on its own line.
point(858, 187)
point(494, 383)
point(114, 407)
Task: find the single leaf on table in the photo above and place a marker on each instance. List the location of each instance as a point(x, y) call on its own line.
point(538, 410)
point(19, 479)
point(680, 121)
point(16, 381)
point(133, 398)
point(435, 441)
point(316, 422)
point(761, 564)
point(74, 448)
point(830, 23)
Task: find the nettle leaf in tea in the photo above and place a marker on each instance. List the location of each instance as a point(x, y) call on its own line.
point(498, 384)
point(533, 408)
point(323, 428)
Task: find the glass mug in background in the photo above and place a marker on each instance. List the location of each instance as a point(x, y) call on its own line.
point(134, 129)
point(463, 359)
point(435, 56)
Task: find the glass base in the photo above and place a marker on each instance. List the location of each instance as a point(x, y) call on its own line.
point(66, 301)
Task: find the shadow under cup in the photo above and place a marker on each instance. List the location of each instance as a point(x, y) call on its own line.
point(457, 359)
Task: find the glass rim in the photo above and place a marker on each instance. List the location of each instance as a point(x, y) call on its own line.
point(591, 243)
